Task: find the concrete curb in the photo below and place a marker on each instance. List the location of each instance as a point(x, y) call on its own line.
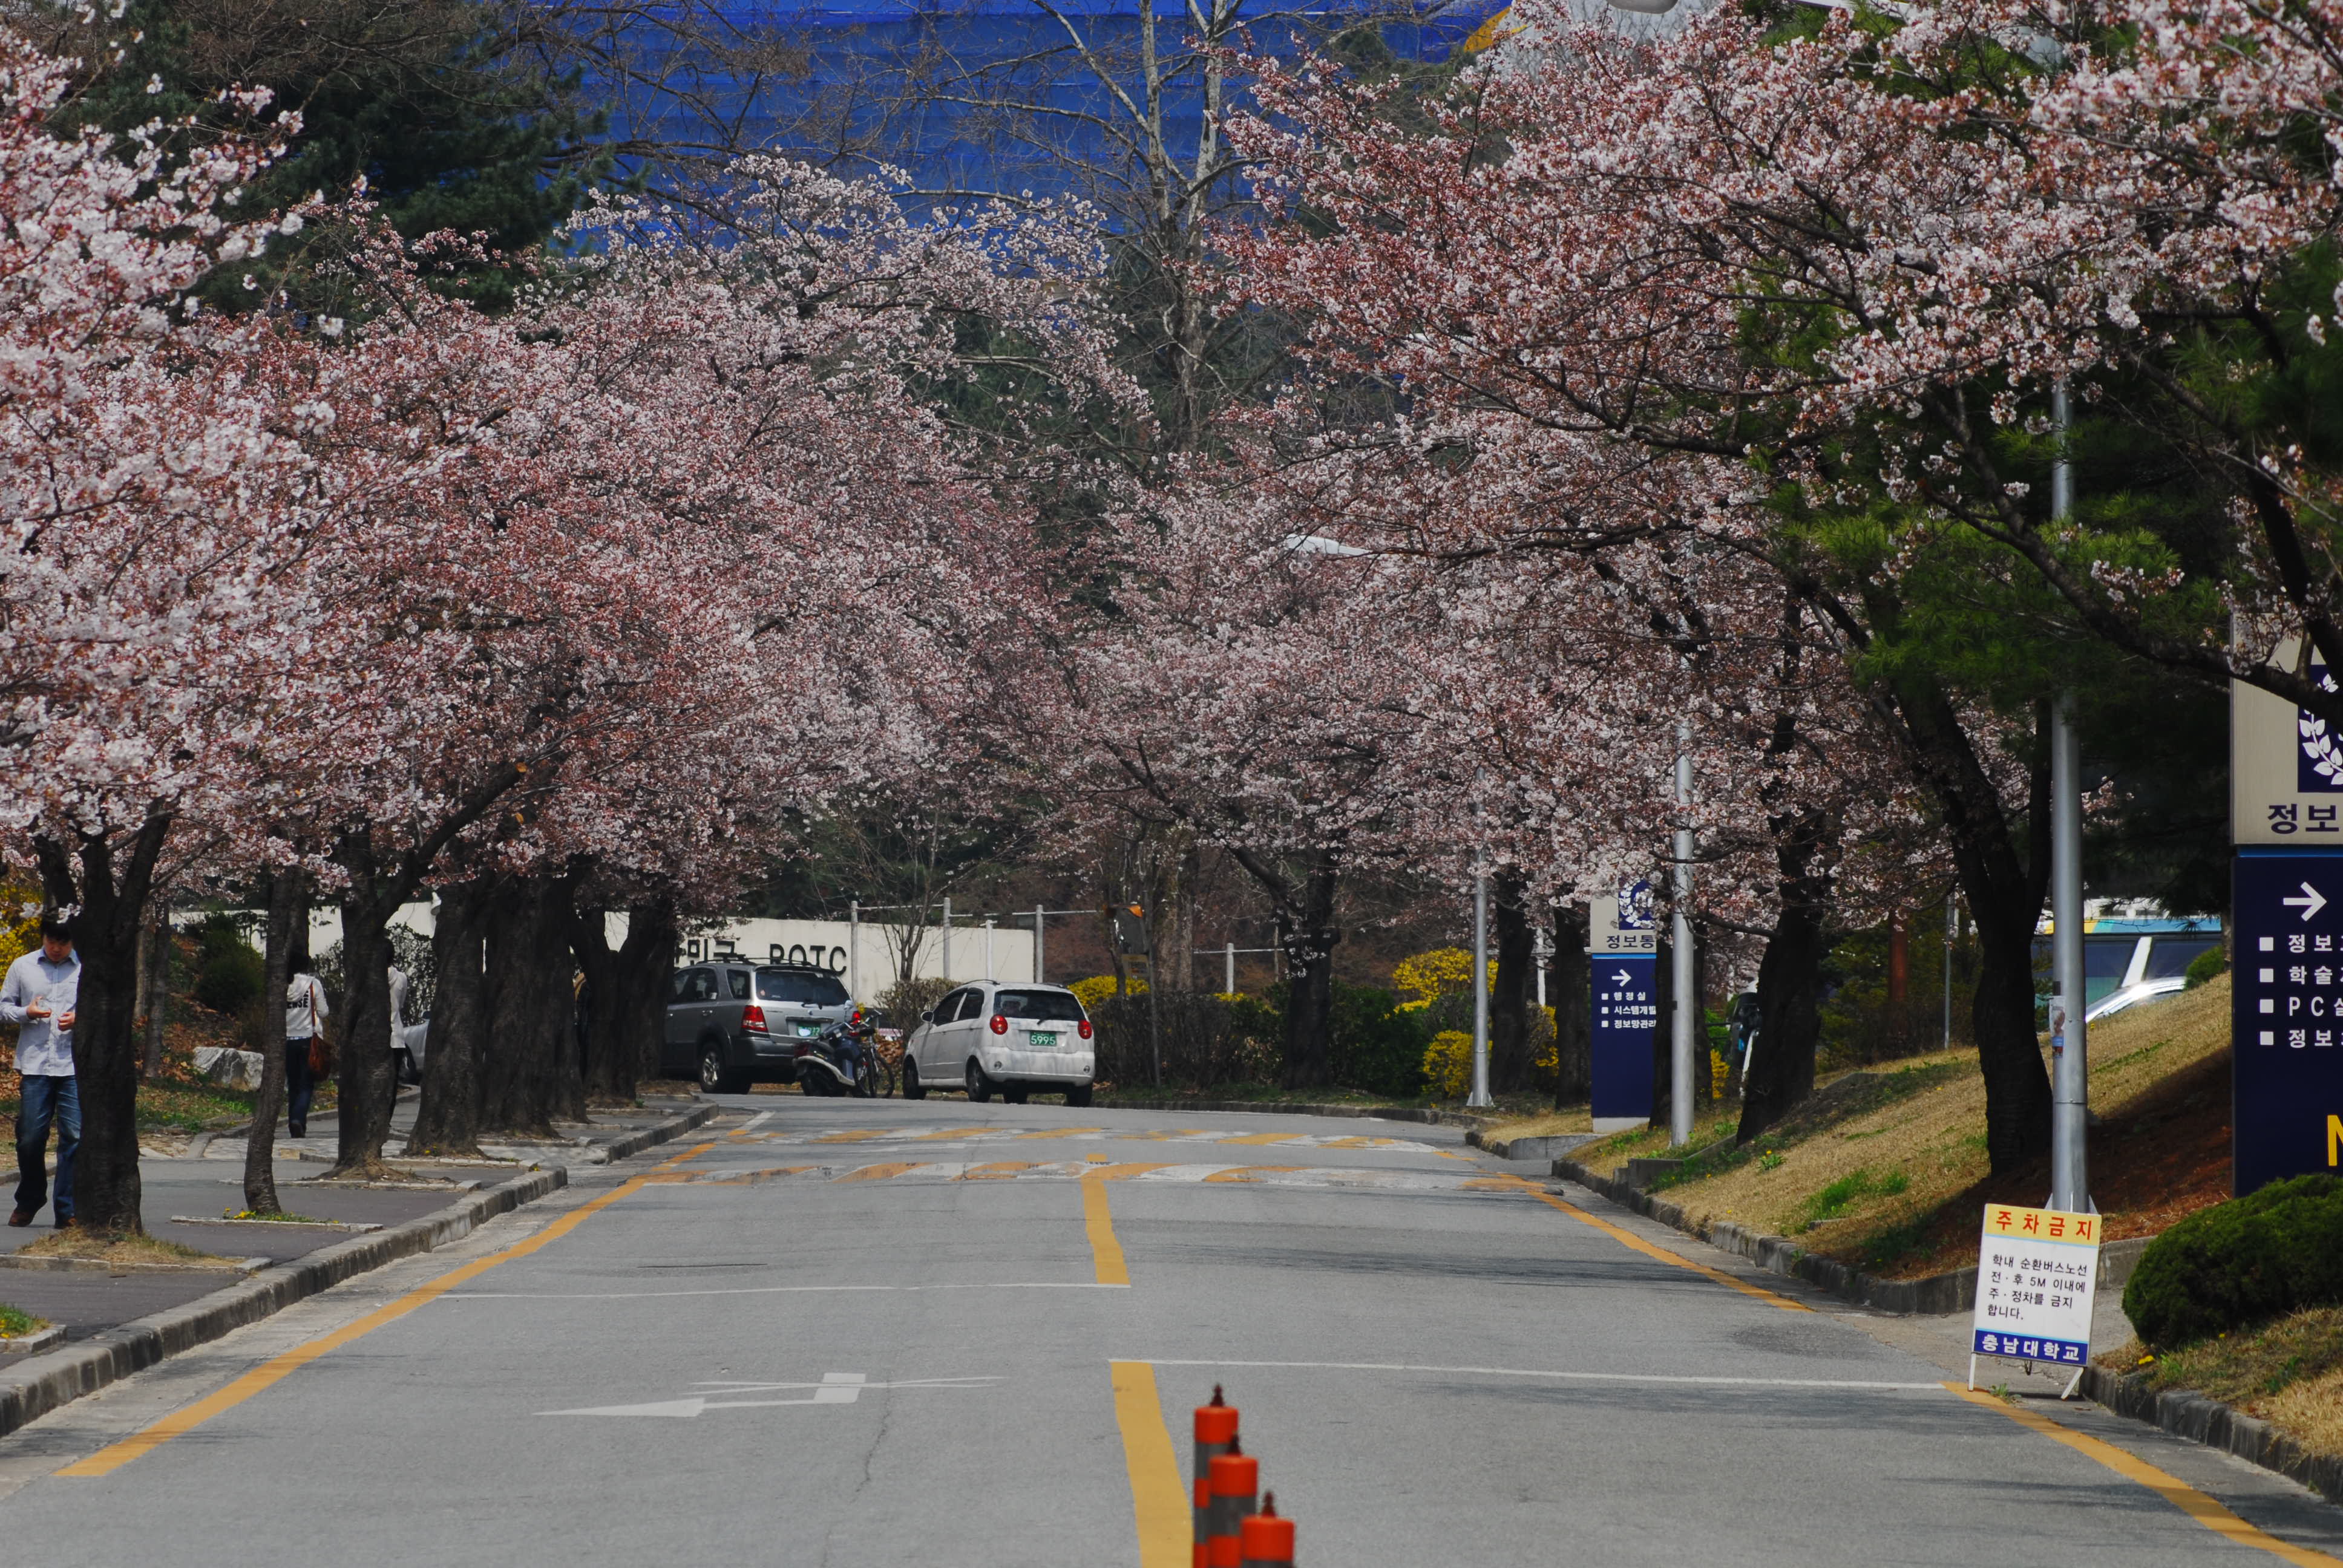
point(1937, 1294)
point(1551, 1146)
point(2217, 1425)
point(43, 1383)
point(1300, 1108)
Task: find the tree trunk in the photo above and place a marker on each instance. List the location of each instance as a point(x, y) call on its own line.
point(646, 960)
point(1571, 994)
point(1309, 943)
point(1781, 1070)
point(288, 911)
point(111, 892)
point(2005, 897)
point(447, 1121)
point(1664, 1056)
point(366, 1086)
point(155, 982)
point(628, 986)
point(531, 1077)
point(1510, 993)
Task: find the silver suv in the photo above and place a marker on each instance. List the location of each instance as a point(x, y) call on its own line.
point(738, 1023)
point(990, 1037)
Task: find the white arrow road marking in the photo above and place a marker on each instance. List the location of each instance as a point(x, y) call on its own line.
point(2310, 903)
point(835, 1388)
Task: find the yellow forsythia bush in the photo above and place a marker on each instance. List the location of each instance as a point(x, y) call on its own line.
point(1098, 988)
point(1428, 977)
point(1448, 1064)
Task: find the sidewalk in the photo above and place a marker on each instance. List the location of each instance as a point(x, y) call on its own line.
point(197, 1178)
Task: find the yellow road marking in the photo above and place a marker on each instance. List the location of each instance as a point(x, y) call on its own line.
point(1106, 1252)
point(113, 1456)
point(1629, 1239)
point(1248, 1172)
point(879, 1172)
point(1357, 1144)
point(1260, 1138)
point(856, 1137)
point(1095, 1158)
point(948, 1133)
point(998, 1170)
point(1061, 1133)
point(1121, 1172)
point(1159, 1504)
point(1158, 1135)
point(2203, 1510)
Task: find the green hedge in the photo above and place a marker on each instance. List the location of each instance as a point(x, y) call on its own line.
point(2240, 1263)
point(228, 973)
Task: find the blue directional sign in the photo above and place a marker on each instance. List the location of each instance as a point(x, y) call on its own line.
point(1623, 940)
point(1626, 1024)
point(2288, 1023)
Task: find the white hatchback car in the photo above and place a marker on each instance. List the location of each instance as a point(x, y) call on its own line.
point(990, 1037)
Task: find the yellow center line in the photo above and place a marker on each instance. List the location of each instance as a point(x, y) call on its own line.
point(1629, 1239)
point(113, 1456)
point(1106, 1252)
point(2203, 1510)
point(1159, 1504)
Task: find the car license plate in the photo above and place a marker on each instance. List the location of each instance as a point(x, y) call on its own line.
point(807, 1031)
point(1042, 1041)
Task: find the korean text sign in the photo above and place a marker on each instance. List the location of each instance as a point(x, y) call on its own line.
point(2037, 1269)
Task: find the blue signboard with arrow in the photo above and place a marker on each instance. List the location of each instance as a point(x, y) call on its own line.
point(2288, 1019)
point(1622, 965)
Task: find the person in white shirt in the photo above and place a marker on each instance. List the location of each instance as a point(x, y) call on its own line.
point(39, 996)
point(305, 1019)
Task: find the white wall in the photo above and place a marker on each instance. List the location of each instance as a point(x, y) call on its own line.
point(872, 948)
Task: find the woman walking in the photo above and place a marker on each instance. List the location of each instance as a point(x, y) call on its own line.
point(305, 1031)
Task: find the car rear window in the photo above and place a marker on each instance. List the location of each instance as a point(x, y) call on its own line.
point(793, 985)
point(1042, 1006)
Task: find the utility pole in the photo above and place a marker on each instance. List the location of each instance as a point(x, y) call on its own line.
point(944, 959)
point(2069, 1037)
point(853, 943)
point(1683, 1003)
point(1479, 1095)
point(1229, 969)
point(1038, 973)
point(987, 946)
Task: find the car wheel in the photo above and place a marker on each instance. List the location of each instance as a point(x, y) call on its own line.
point(1079, 1096)
point(912, 1088)
point(715, 1077)
point(980, 1088)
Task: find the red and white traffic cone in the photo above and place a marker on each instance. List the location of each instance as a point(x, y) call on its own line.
point(1264, 1540)
point(1236, 1485)
point(1216, 1434)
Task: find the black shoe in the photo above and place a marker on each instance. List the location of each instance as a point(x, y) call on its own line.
point(66, 1223)
point(300, 1133)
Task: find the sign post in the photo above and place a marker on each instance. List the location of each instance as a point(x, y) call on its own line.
point(2286, 772)
point(1622, 945)
point(2037, 1270)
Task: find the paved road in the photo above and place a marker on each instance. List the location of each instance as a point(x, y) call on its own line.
point(847, 1333)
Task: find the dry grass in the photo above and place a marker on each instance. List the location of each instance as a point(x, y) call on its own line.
point(131, 1249)
point(1549, 1125)
point(2289, 1372)
point(1889, 1169)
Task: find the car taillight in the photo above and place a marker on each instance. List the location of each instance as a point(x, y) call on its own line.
point(753, 1017)
point(1083, 1028)
point(857, 1015)
point(999, 1024)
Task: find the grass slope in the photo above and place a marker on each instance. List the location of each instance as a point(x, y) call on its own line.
point(1887, 1169)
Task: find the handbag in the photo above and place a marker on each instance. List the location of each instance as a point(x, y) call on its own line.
point(321, 1057)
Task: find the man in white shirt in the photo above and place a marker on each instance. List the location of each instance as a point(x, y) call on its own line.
point(39, 996)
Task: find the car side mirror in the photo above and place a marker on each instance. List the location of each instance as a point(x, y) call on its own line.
point(928, 1015)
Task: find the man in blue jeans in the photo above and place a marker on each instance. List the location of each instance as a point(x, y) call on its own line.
point(39, 997)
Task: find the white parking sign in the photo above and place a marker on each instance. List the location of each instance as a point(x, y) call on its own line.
point(2037, 1269)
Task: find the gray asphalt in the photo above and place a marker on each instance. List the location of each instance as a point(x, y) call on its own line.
point(1434, 1366)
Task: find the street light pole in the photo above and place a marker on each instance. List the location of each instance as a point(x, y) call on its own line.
point(853, 943)
point(2069, 1037)
point(1479, 1095)
point(944, 960)
point(1682, 984)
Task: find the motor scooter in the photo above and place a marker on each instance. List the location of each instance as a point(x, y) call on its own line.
point(839, 1060)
